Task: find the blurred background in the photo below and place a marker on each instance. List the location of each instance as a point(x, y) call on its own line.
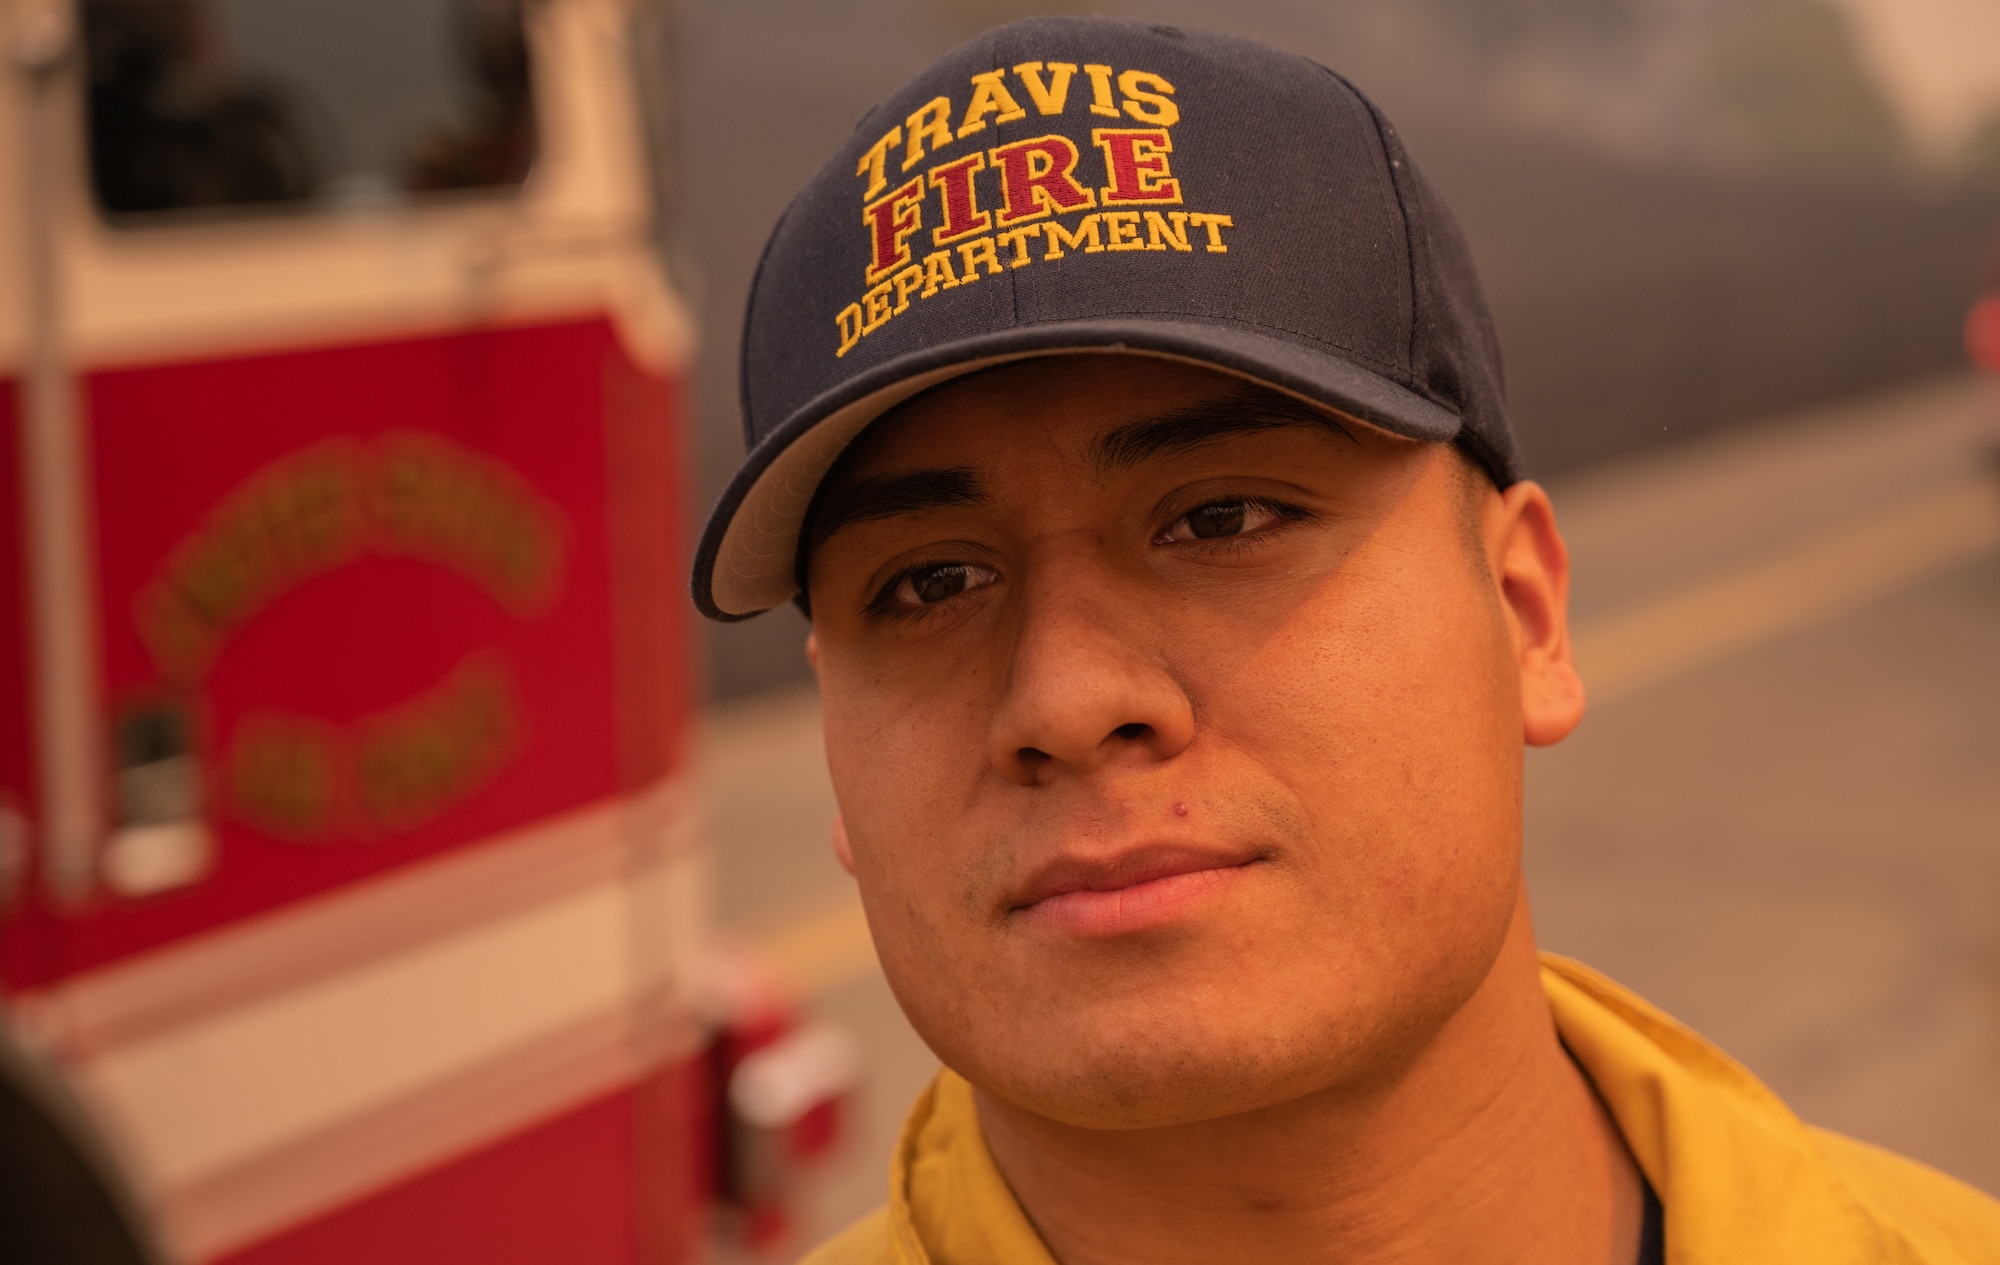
point(392, 865)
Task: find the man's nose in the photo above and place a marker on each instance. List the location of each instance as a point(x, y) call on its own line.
point(1088, 683)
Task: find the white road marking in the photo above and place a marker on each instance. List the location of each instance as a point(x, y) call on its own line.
point(1655, 640)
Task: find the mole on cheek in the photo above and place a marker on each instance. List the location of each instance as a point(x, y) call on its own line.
point(1180, 810)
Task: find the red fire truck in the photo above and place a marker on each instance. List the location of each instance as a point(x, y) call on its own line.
point(347, 893)
point(1982, 324)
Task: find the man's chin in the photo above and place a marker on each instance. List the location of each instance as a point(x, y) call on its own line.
point(1150, 1089)
point(1101, 1070)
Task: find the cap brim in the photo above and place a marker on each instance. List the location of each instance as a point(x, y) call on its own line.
point(746, 563)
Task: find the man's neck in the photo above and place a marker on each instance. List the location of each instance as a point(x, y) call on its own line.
point(1491, 1146)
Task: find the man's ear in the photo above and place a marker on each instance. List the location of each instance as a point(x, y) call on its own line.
point(843, 851)
point(1531, 564)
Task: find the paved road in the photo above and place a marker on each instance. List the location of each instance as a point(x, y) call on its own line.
point(1780, 820)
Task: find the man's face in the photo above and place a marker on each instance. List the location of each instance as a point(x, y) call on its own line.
point(1177, 735)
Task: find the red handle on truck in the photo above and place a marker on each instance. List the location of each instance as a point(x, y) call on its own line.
point(1982, 333)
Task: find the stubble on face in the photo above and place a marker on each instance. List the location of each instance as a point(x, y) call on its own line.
point(1326, 706)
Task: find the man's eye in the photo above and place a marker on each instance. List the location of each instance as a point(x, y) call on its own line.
point(929, 585)
point(1220, 520)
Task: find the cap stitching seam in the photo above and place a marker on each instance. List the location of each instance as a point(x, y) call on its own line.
point(1396, 183)
point(1382, 130)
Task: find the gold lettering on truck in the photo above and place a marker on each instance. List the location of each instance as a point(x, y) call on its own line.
point(407, 495)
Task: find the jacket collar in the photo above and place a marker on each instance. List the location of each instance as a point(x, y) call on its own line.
point(1741, 1178)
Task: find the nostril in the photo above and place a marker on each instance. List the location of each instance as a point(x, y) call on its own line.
point(1132, 731)
point(1032, 756)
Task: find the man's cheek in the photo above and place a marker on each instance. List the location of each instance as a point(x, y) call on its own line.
point(944, 974)
point(922, 886)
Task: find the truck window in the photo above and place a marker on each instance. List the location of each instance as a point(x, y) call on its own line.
point(237, 105)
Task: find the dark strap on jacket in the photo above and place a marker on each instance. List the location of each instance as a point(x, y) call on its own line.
point(1652, 1227)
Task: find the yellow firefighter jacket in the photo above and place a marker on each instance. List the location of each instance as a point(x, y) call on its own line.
point(1742, 1180)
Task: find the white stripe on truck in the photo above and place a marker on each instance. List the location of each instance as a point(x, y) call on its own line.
point(259, 1074)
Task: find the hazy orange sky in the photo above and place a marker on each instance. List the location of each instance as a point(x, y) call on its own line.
point(1939, 60)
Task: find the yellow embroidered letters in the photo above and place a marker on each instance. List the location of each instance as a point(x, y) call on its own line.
point(1035, 195)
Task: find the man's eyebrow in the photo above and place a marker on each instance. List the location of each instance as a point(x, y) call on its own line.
point(887, 495)
point(1186, 429)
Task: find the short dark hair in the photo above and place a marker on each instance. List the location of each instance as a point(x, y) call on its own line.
point(1475, 482)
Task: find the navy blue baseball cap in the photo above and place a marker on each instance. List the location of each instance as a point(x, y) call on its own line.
point(1093, 184)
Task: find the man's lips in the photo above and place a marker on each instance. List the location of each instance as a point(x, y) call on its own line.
point(1131, 891)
